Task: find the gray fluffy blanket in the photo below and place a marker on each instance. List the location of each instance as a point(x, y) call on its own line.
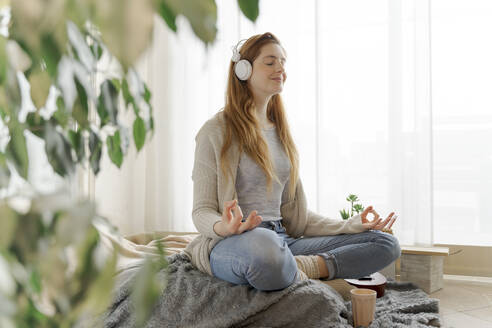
point(194, 299)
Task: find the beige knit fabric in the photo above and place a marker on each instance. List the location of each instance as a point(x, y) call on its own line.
point(301, 275)
point(211, 190)
point(308, 264)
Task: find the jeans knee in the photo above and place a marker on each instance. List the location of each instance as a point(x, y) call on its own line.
point(273, 271)
point(391, 245)
point(272, 265)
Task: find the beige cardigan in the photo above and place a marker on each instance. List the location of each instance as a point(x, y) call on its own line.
point(211, 191)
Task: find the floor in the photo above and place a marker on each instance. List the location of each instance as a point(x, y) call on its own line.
point(465, 303)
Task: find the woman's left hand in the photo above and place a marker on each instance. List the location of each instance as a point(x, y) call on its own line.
point(377, 223)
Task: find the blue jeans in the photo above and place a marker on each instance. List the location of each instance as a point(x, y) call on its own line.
point(264, 257)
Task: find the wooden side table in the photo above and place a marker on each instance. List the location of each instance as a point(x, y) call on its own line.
point(423, 266)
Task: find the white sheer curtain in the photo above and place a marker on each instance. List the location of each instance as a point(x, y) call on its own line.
point(358, 128)
point(462, 120)
point(358, 98)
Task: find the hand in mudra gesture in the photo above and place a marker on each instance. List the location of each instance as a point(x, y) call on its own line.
point(232, 220)
point(377, 223)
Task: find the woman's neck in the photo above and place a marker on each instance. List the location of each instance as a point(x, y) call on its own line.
point(261, 104)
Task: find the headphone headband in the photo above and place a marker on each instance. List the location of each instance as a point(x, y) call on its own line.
point(242, 67)
point(236, 56)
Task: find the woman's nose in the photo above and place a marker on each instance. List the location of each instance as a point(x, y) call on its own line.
point(280, 67)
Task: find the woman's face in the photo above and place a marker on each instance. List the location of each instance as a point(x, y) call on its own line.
point(268, 75)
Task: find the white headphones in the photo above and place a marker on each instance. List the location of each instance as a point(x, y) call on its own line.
point(243, 67)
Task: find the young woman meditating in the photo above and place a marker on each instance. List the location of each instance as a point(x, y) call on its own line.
point(247, 163)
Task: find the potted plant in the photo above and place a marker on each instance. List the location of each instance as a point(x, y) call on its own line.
point(357, 208)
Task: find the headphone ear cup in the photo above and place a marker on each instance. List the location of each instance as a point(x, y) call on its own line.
point(243, 69)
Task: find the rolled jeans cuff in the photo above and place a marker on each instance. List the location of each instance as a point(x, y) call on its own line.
point(331, 264)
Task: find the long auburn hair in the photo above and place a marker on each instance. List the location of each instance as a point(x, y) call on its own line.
point(241, 123)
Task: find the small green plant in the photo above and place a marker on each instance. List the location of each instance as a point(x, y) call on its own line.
point(358, 208)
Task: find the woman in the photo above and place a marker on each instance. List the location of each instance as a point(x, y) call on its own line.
point(246, 162)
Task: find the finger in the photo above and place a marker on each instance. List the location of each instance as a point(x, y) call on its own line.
point(366, 211)
point(388, 218)
point(256, 221)
point(251, 222)
point(381, 225)
point(375, 223)
point(370, 225)
point(259, 220)
point(393, 219)
point(228, 208)
point(236, 209)
point(239, 212)
point(229, 215)
point(250, 217)
point(236, 221)
point(229, 204)
point(376, 215)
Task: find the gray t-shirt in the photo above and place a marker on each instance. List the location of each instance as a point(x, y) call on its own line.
point(251, 185)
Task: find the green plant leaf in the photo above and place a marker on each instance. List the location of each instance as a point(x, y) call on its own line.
point(3, 60)
point(9, 225)
point(150, 281)
point(35, 281)
point(250, 9)
point(96, 50)
point(167, 14)
point(86, 270)
point(127, 96)
point(81, 107)
point(151, 122)
point(35, 124)
point(114, 149)
point(107, 106)
point(358, 208)
point(100, 291)
point(17, 149)
point(126, 27)
point(33, 317)
point(345, 215)
point(102, 112)
point(95, 148)
point(61, 116)
point(50, 53)
point(58, 151)
point(4, 172)
point(40, 83)
point(139, 133)
point(116, 84)
point(147, 94)
point(77, 142)
point(202, 15)
point(352, 198)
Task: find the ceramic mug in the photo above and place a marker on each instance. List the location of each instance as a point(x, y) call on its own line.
point(363, 306)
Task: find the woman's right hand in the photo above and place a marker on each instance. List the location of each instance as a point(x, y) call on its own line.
point(232, 220)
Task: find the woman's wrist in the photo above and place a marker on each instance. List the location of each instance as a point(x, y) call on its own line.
point(219, 229)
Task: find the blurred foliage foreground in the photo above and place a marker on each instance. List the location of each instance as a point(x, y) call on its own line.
point(66, 77)
point(54, 269)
